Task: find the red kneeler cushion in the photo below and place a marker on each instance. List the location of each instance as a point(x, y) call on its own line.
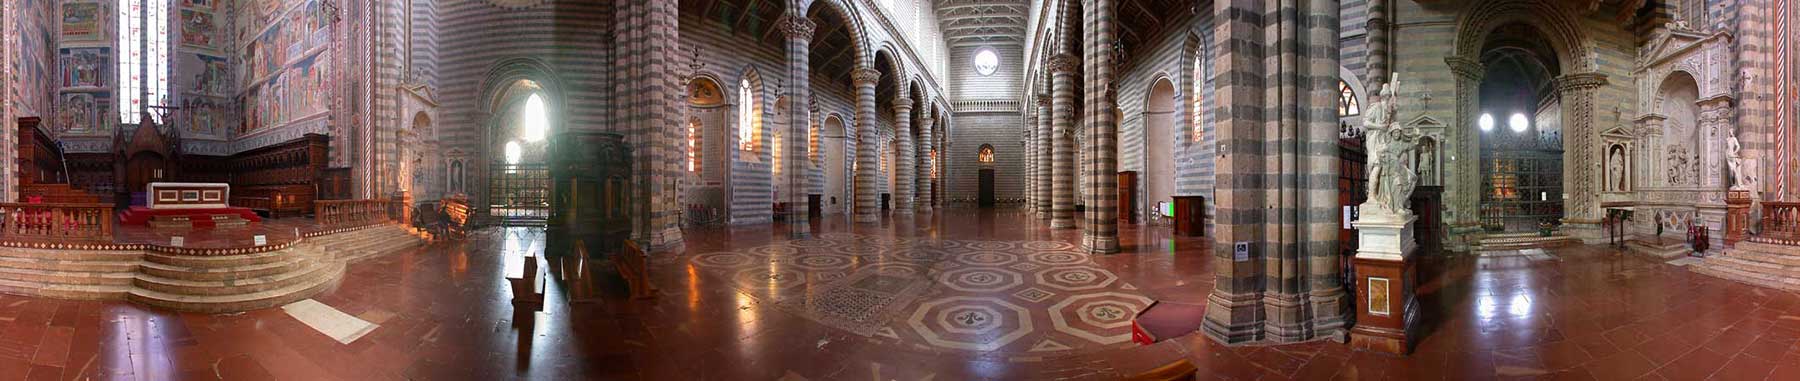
point(1164, 320)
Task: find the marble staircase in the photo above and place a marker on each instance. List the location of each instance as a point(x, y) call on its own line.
point(1516, 241)
point(1761, 264)
point(217, 281)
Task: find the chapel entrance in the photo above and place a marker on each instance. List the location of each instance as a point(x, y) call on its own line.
point(1519, 126)
point(519, 170)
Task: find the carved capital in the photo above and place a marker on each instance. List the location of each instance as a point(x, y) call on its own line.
point(903, 103)
point(1376, 23)
point(1580, 81)
point(865, 76)
point(796, 27)
point(1064, 63)
point(1466, 68)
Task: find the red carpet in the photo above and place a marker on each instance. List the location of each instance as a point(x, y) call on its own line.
point(138, 215)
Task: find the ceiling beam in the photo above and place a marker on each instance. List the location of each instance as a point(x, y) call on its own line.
point(738, 25)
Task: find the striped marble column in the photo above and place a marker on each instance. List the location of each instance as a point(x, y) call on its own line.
point(1101, 232)
point(1581, 128)
point(799, 32)
point(923, 164)
point(1062, 167)
point(903, 156)
point(864, 179)
point(654, 97)
point(1044, 135)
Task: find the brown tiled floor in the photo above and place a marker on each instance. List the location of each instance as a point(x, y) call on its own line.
point(1588, 313)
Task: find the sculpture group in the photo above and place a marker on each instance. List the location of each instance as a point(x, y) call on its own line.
point(1391, 149)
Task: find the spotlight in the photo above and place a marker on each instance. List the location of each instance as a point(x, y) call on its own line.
point(1518, 122)
point(1486, 122)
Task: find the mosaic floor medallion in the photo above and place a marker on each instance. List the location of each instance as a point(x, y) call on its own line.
point(980, 279)
point(1076, 278)
point(969, 322)
point(1103, 317)
point(943, 294)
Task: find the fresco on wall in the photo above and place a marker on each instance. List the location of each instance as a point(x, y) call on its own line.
point(34, 72)
point(198, 29)
point(211, 74)
point(205, 116)
point(81, 21)
point(84, 67)
point(289, 75)
point(83, 113)
point(200, 4)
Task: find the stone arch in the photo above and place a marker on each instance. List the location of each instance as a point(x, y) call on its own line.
point(859, 36)
point(1162, 106)
point(749, 137)
point(834, 136)
point(495, 88)
point(1549, 18)
point(1662, 89)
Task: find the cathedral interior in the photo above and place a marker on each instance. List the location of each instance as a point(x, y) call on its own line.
point(899, 189)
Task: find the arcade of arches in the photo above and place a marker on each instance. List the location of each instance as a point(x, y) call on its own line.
point(902, 189)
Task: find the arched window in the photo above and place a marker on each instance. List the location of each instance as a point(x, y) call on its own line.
point(143, 42)
point(1199, 96)
point(693, 148)
point(1347, 104)
point(746, 119)
point(986, 154)
point(812, 141)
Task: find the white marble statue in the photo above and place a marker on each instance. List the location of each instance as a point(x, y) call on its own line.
point(1390, 151)
point(1743, 175)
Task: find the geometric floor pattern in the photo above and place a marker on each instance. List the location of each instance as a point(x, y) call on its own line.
point(963, 295)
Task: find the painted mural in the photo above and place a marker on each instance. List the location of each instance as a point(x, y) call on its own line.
point(289, 67)
point(84, 67)
point(206, 117)
point(81, 21)
point(210, 74)
point(83, 113)
point(198, 29)
point(34, 71)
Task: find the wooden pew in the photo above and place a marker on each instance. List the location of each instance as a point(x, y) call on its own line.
point(634, 266)
point(456, 215)
point(1177, 370)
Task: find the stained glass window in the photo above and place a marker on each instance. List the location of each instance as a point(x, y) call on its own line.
point(143, 43)
point(1199, 93)
point(746, 134)
point(1347, 104)
point(986, 155)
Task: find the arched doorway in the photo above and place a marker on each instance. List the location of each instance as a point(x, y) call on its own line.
point(1159, 146)
point(518, 155)
point(1518, 126)
point(836, 179)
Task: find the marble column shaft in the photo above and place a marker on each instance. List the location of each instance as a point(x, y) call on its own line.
point(866, 165)
point(799, 32)
point(1062, 171)
point(647, 43)
point(1043, 136)
point(1462, 183)
point(1101, 233)
point(903, 156)
point(922, 199)
point(1582, 164)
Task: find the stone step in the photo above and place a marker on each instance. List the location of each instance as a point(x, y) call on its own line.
point(1668, 249)
point(1770, 269)
point(241, 302)
point(1533, 242)
point(53, 264)
point(49, 277)
point(1768, 248)
point(73, 255)
point(216, 261)
point(1748, 277)
point(394, 246)
point(1758, 256)
point(64, 291)
point(286, 265)
point(307, 274)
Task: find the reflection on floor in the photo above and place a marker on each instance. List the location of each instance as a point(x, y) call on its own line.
point(931, 298)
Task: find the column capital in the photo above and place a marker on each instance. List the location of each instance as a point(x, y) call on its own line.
point(1580, 81)
point(796, 26)
point(865, 76)
point(903, 103)
point(1064, 63)
point(1466, 68)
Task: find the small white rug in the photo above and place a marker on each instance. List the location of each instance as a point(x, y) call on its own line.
point(329, 321)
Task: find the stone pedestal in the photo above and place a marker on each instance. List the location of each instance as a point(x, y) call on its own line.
point(1387, 312)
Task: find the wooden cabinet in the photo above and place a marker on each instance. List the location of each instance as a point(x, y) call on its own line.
point(1190, 216)
point(1128, 197)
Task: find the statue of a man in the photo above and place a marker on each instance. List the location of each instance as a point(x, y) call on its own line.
point(1742, 176)
point(1389, 148)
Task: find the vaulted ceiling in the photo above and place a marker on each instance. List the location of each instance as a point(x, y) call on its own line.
point(982, 22)
point(832, 52)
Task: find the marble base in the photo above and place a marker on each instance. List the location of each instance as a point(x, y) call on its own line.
point(1388, 312)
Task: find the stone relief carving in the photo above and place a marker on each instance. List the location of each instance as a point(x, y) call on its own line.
point(1681, 165)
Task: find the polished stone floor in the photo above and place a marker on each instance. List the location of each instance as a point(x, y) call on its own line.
point(956, 295)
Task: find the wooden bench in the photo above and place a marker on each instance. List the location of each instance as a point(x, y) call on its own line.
point(1177, 370)
point(275, 200)
point(634, 266)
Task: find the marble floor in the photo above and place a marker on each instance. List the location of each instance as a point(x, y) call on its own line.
point(956, 295)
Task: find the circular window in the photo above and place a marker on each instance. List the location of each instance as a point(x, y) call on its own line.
point(986, 62)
